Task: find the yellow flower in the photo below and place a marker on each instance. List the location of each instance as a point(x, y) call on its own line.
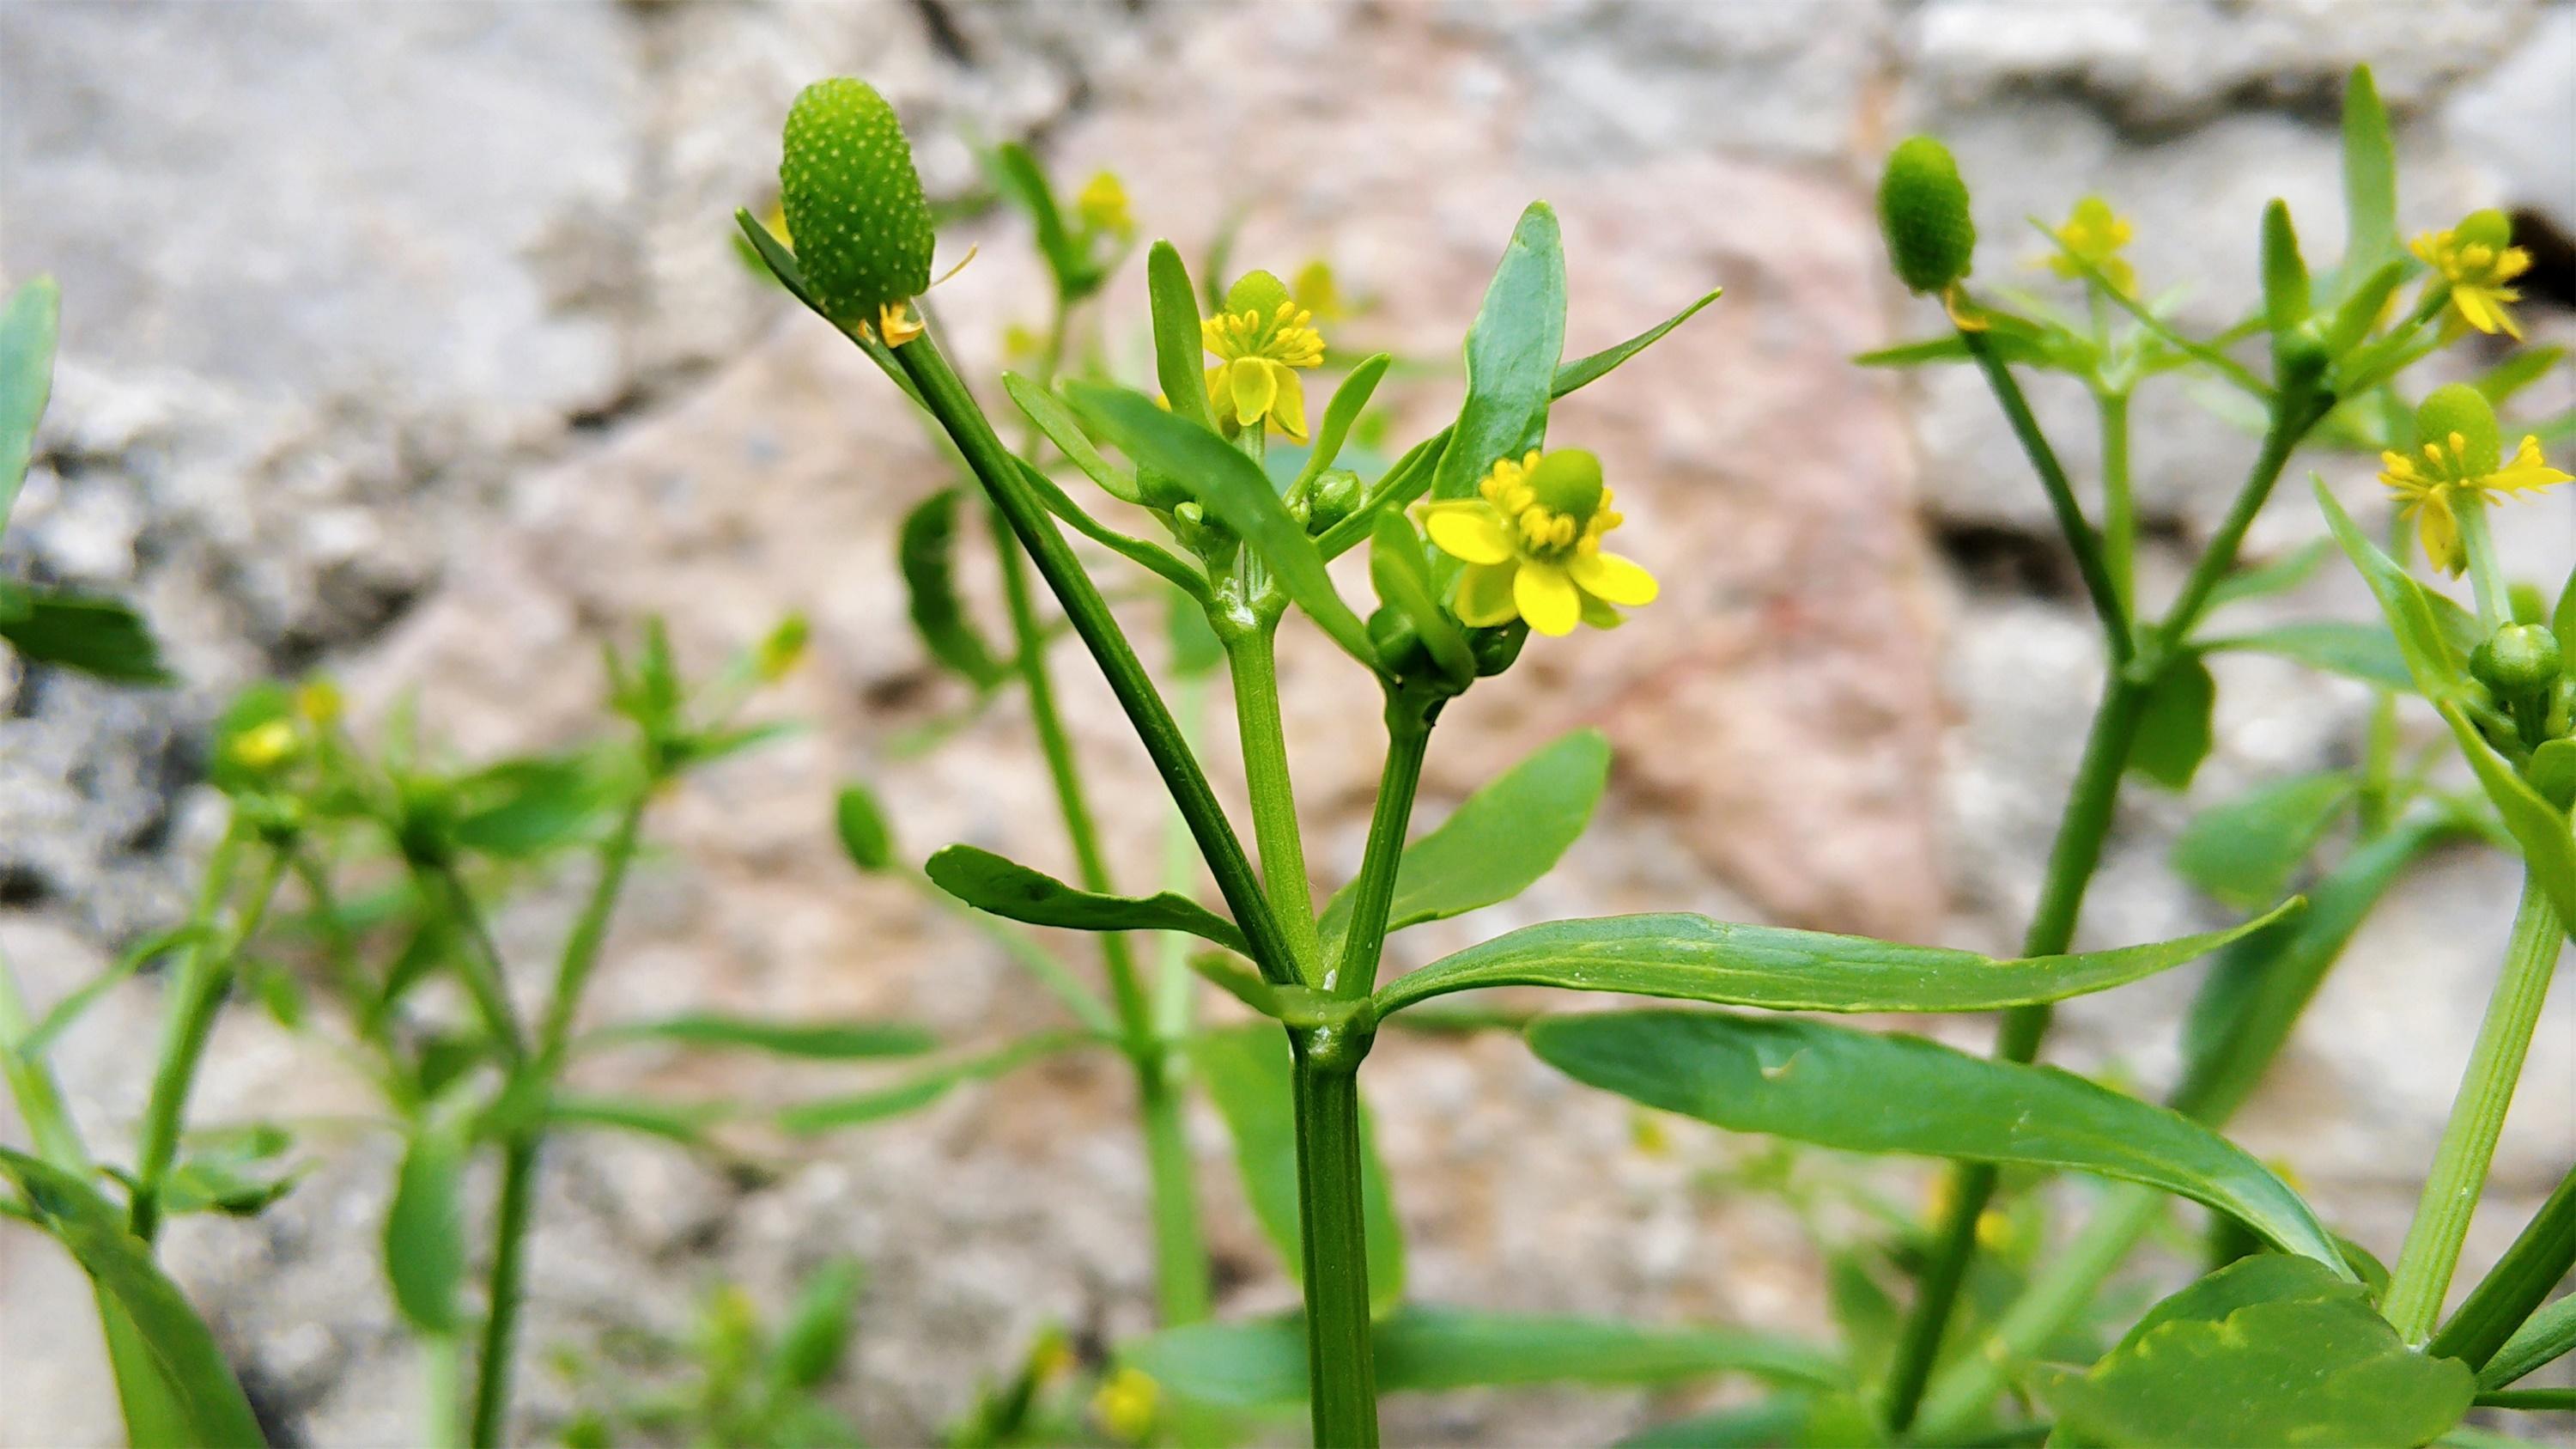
point(2428, 484)
point(1262, 337)
point(1532, 545)
point(1102, 205)
point(2477, 259)
point(264, 745)
point(318, 700)
point(1126, 1403)
point(2095, 235)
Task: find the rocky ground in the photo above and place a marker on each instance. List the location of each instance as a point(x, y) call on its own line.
point(409, 342)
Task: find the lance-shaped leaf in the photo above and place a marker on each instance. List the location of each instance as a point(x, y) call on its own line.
point(200, 1397)
point(1234, 489)
point(424, 1238)
point(989, 882)
point(1693, 958)
point(2414, 620)
point(2540, 828)
point(2369, 179)
point(1812, 1081)
point(1512, 352)
point(1420, 1348)
point(96, 635)
point(2243, 852)
point(814, 1040)
point(27, 327)
point(2337, 646)
point(1593, 366)
point(926, 550)
point(1248, 1075)
point(1339, 414)
point(1060, 428)
point(1403, 582)
point(919, 1090)
point(1180, 352)
point(2269, 1350)
point(1497, 843)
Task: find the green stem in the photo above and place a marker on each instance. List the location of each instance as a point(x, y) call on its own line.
point(442, 1373)
point(2119, 505)
point(340, 948)
point(505, 1285)
point(2486, 571)
point(589, 934)
point(2417, 1285)
point(486, 979)
point(2080, 537)
point(2539, 1258)
point(205, 976)
point(1408, 739)
point(2294, 412)
point(954, 408)
point(1181, 1274)
point(1253, 661)
point(1340, 1360)
point(2071, 861)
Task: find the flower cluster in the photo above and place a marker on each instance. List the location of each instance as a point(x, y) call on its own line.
point(2476, 260)
point(2460, 460)
point(2094, 235)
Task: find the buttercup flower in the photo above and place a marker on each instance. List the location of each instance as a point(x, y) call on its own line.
point(1126, 1404)
point(2461, 455)
point(1102, 205)
point(1531, 541)
point(2477, 258)
point(264, 745)
point(2095, 234)
point(1262, 335)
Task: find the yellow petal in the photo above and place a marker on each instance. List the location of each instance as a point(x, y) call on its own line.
point(1612, 579)
point(2528, 471)
point(1254, 389)
point(1289, 408)
point(1221, 392)
point(1485, 595)
point(1468, 530)
point(2472, 302)
point(1547, 598)
point(2441, 533)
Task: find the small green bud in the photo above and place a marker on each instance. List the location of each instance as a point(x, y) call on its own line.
point(1923, 208)
point(2486, 228)
point(1568, 481)
point(1256, 292)
point(1496, 647)
point(2519, 661)
point(1399, 647)
point(2459, 408)
point(1338, 494)
point(853, 203)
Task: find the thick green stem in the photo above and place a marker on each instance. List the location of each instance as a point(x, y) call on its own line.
point(205, 977)
point(505, 1285)
point(2417, 1285)
point(2537, 1261)
point(1408, 738)
point(2080, 536)
point(1340, 1361)
point(1253, 661)
point(2119, 505)
point(954, 408)
point(2071, 861)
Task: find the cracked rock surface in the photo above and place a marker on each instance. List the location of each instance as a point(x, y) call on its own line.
point(409, 342)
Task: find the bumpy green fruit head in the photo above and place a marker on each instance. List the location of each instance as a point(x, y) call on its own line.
point(2488, 228)
point(2461, 409)
point(1256, 291)
point(855, 212)
point(1923, 208)
point(1568, 481)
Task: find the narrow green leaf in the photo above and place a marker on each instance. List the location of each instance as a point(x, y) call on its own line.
point(912, 1093)
point(1592, 367)
point(781, 263)
point(90, 633)
point(2174, 726)
point(1339, 414)
point(1835, 1087)
point(424, 1237)
point(1233, 488)
point(1021, 178)
point(2369, 176)
point(2540, 828)
point(59, 1017)
point(1153, 557)
point(2355, 651)
point(1247, 1071)
point(1512, 352)
point(1404, 584)
point(2267, 1351)
point(196, 1391)
point(2362, 310)
point(1497, 843)
point(2504, 1300)
point(2521, 368)
point(1004, 887)
point(1060, 428)
point(1423, 1349)
point(926, 550)
point(2412, 618)
point(2544, 1338)
point(2242, 852)
point(866, 836)
point(523, 808)
point(2278, 576)
point(2286, 301)
point(818, 1040)
point(27, 327)
point(817, 1330)
point(1180, 353)
point(1693, 958)
point(1796, 1420)
point(685, 1123)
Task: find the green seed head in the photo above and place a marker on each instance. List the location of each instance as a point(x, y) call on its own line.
point(2457, 408)
point(1568, 481)
point(2489, 228)
point(1256, 292)
point(2518, 661)
point(854, 208)
point(1923, 208)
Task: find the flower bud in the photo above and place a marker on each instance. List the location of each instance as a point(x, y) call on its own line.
point(1338, 493)
point(2457, 408)
point(1399, 647)
point(1497, 647)
point(852, 200)
point(2518, 662)
point(1568, 481)
point(1923, 208)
